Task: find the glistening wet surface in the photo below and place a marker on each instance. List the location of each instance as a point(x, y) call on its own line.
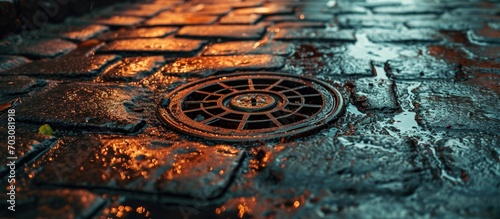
point(417, 136)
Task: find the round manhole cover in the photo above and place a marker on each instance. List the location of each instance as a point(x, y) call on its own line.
point(251, 106)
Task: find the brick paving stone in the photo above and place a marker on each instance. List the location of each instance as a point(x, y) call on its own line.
point(375, 4)
point(43, 48)
point(379, 20)
point(68, 67)
point(207, 65)
point(444, 24)
point(132, 68)
point(152, 166)
point(55, 203)
point(472, 158)
point(238, 32)
point(203, 9)
point(404, 36)
point(86, 48)
point(249, 47)
point(484, 52)
point(421, 68)
point(145, 13)
point(29, 145)
point(338, 10)
point(456, 106)
point(246, 4)
point(83, 106)
point(375, 94)
point(302, 24)
point(140, 11)
point(152, 32)
point(8, 62)
point(349, 66)
point(341, 164)
point(430, 145)
point(486, 35)
point(240, 19)
point(495, 26)
point(18, 84)
point(166, 46)
point(118, 21)
point(315, 34)
point(301, 17)
point(76, 33)
point(411, 9)
point(270, 9)
point(177, 19)
point(474, 11)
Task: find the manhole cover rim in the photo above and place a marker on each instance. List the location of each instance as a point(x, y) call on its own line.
point(168, 119)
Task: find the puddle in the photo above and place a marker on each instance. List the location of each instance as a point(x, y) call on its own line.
point(364, 49)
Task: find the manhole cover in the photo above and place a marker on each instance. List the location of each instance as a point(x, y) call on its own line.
point(251, 106)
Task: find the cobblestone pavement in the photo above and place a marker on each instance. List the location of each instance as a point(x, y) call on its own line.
point(419, 138)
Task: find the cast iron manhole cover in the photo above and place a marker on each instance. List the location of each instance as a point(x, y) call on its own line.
point(251, 106)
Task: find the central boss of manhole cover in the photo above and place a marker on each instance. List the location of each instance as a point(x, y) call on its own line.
point(251, 106)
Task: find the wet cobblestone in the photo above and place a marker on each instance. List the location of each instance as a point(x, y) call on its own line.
point(418, 138)
point(44, 48)
point(68, 67)
point(171, 46)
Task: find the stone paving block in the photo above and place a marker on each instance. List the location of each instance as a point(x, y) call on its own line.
point(74, 32)
point(55, 203)
point(409, 9)
point(405, 36)
point(315, 34)
point(152, 32)
point(9, 62)
point(244, 4)
point(67, 67)
point(342, 165)
point(486, 35)
point(179, 19)
point(237, 32)
point(203, 8)
point(86, 48)
point(83, 106)
point(470, 159)
point(249, 47)
point(474, 11)
point(270, 9)
point(301, 17)
point(18, 84)
point(349, 66)
point(444, 24)
point(239, 19)
point(421, 67)
point(43, 48)
point(493, 25)
point(457, 106)
point(139, 11)
point(337, 10)
point(381, 21)
point(298, 25)
point(375, 94)
point(484, 52)
point(132, 68)
point(29, 145)
point(207, 65)
point(327, 59)
point(142, 166)
point(166, 46)
point(118, 21)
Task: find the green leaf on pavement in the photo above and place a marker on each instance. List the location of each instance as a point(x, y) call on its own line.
point(45, 130)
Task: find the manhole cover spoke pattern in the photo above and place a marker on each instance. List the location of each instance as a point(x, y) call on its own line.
point(251, 106)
